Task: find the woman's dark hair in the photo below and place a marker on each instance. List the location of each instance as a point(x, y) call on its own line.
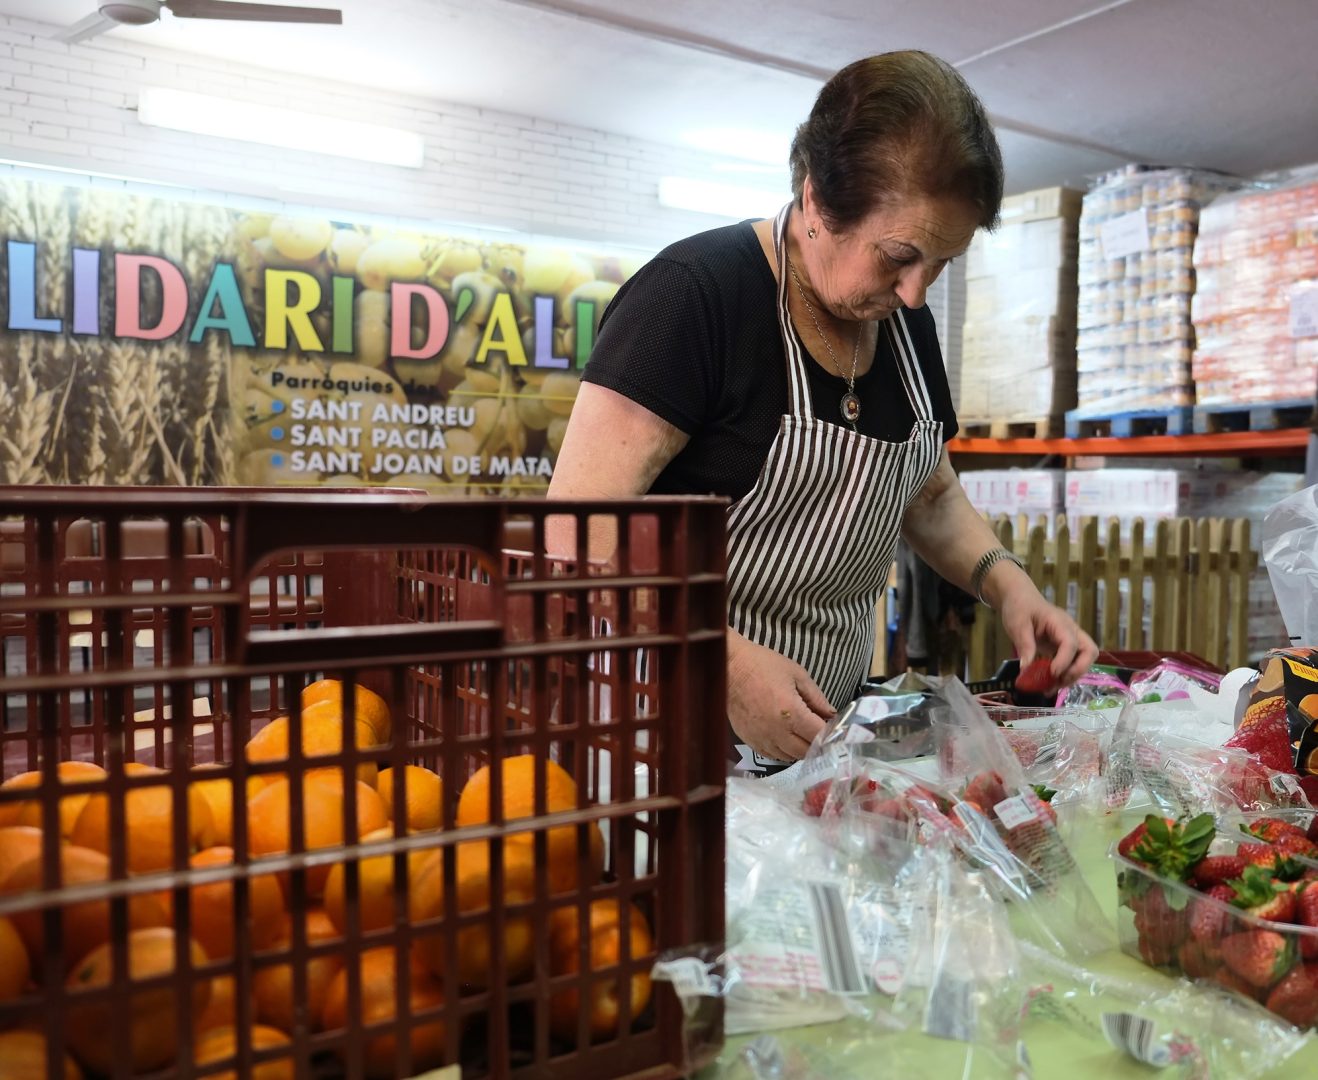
point(896, 124)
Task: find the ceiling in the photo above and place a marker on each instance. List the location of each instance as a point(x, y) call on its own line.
point(1075, 86)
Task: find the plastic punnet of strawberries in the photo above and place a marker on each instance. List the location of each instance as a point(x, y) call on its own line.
point(1246, 919)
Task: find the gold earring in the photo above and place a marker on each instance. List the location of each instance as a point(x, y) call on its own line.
point(810, 232)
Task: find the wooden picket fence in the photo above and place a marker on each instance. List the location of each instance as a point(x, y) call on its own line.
point(1191, 577)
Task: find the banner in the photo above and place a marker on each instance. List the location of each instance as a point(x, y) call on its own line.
point(150, 341)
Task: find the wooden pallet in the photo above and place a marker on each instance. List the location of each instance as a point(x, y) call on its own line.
point(1176, 420)
point(1049, 427)
point(1274, 416)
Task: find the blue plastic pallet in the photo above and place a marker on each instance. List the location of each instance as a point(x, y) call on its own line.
point(1274, 416)
point(1177, 420)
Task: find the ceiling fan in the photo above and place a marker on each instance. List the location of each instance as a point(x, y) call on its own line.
point(112, 13)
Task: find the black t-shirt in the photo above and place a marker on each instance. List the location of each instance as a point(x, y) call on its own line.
point(693, 337)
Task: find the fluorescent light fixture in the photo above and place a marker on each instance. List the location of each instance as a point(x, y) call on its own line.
point(725, 200)
point(271, 125)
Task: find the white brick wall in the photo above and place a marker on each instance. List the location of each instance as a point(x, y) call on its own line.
point(72, 107)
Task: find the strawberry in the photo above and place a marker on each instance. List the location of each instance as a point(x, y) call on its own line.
point(1295, 998)
point(1260, 957)
point(1132, 838)
point(1227, 978)
point(1270, 859)
point(1161, 927)
point(1306, 914)
point(1155, 951)
point(918, 794)
point(816, 799)
point(1199, 959)
point(1296, 846)
point(1271, 829)
point(1257, 894)
point(1312, 831)
point(1172, 850)
point(1209, 921)
point(985, 790)
point(887, 808)
point(1216, 870)
point(1037, 677)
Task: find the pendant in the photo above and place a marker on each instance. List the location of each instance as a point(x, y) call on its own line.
point(850, 407)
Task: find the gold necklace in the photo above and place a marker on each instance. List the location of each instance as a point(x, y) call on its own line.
point(850, 407)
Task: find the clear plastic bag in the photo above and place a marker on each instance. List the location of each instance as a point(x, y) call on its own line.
point(1189, 778)
point(1290, 550)
point(962, 978)
point(1003, 826)
point(805, 920)
point(1193, 1031)
point(1094, 690)
point(1170, 680)
point(946, 1001)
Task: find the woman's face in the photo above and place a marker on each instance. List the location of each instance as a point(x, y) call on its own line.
point(889, 258)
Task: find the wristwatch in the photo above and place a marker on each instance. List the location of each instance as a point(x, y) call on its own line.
point(987, 562)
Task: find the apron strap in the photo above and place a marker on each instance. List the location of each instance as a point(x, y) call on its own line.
point(798, 382)
point(908, 365)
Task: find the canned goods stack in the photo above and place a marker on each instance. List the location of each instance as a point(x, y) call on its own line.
point(1136, 280)
point(1256, 259)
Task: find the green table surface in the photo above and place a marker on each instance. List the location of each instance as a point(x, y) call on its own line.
point(1056, 1050)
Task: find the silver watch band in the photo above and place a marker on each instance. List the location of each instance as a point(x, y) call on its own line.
point(987, 562)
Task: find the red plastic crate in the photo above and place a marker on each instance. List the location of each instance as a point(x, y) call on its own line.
point(167, 626)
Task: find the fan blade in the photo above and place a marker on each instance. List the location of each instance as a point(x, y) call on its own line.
point(86, 28)
point(233, 9)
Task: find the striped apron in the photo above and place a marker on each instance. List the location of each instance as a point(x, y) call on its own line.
point(810, 545)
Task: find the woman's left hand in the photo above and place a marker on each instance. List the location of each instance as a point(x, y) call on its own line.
point(1033, 625)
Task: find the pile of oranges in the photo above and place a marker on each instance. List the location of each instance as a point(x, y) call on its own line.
point(85, 824)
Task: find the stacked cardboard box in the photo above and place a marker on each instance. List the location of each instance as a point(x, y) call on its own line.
point(1136, 278)
point(1036, 493)
point(1256, 304)
point(1018, 340)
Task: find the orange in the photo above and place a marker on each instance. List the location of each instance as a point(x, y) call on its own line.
point(519, 778)
point(222, 1009)
point(213, 918)
point(272, 986)
point(18, 843)
point(149, 813)
point(375, 886)
point(15, 967)
point(605, 949)
point(378, 993)
point(370, 706)
point(322, 736)
point(269, 830)
point(70, 806)
point(218, 794)
point(475, 964)
point(87, 922)
point(23, 1057)
point(151, 1013)
point(423, 794)
point(220, 1044)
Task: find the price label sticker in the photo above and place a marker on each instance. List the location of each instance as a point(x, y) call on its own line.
point(689, 976)
point(1125, 234)
point(1014, 812)
point(1304, 310)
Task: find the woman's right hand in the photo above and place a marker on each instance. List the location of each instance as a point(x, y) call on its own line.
point(774, 706)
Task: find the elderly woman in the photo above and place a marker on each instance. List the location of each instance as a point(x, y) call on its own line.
point(792, 366)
